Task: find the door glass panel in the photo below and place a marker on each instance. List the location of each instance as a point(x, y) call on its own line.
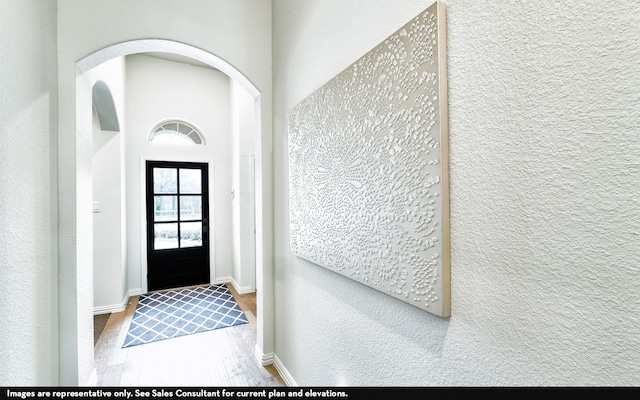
point(190, 181)
point(190, 208)
point(165, 236)
point(166, 208)
point(190, 234)
point(165, 180)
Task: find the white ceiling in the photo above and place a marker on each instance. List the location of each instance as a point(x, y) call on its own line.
point(178, 58)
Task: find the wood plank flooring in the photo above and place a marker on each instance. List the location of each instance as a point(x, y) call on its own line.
point(99, 321)
point(222, 357)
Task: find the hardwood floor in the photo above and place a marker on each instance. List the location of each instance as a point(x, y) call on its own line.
point(99, 321)
point(222, 357)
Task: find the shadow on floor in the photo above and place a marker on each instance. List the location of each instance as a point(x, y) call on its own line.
point(99, 321)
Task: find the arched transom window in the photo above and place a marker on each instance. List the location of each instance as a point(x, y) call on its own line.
point(176, 132)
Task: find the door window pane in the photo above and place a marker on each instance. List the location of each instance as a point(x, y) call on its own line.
point(190, 181)
point(166, 208)
point(165, 180)
point(165, 236)
point(190, 208)
point(190, 234)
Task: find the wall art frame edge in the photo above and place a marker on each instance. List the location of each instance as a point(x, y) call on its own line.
point(443, 119)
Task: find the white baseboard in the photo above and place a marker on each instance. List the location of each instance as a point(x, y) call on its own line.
point(271, 358)
point(132, 292)
point(264, 359)
point(288, 379)
point(221, 280)
point(114, 308)
point(229, 279)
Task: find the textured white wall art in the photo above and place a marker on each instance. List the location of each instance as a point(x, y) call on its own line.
point(369, 168)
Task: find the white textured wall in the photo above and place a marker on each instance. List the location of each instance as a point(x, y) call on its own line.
point(109, 267)
point(238, 32)
point(243, 121)
point(28, 252)
point(157, 90)
point(545, 233)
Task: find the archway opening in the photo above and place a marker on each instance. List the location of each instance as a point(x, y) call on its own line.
point(76, 281)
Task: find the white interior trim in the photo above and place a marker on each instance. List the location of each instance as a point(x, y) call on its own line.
point(284, 373)
point(165, 46)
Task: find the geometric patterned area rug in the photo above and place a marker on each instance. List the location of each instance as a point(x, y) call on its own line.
point(174, 313)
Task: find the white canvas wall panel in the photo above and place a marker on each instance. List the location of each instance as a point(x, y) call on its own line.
point(368, 168)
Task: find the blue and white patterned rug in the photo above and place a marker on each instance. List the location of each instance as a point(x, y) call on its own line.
point(174, 313)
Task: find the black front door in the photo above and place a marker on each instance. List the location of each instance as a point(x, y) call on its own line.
point(177, 224)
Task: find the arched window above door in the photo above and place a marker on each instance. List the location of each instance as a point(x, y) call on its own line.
point(177, 132)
